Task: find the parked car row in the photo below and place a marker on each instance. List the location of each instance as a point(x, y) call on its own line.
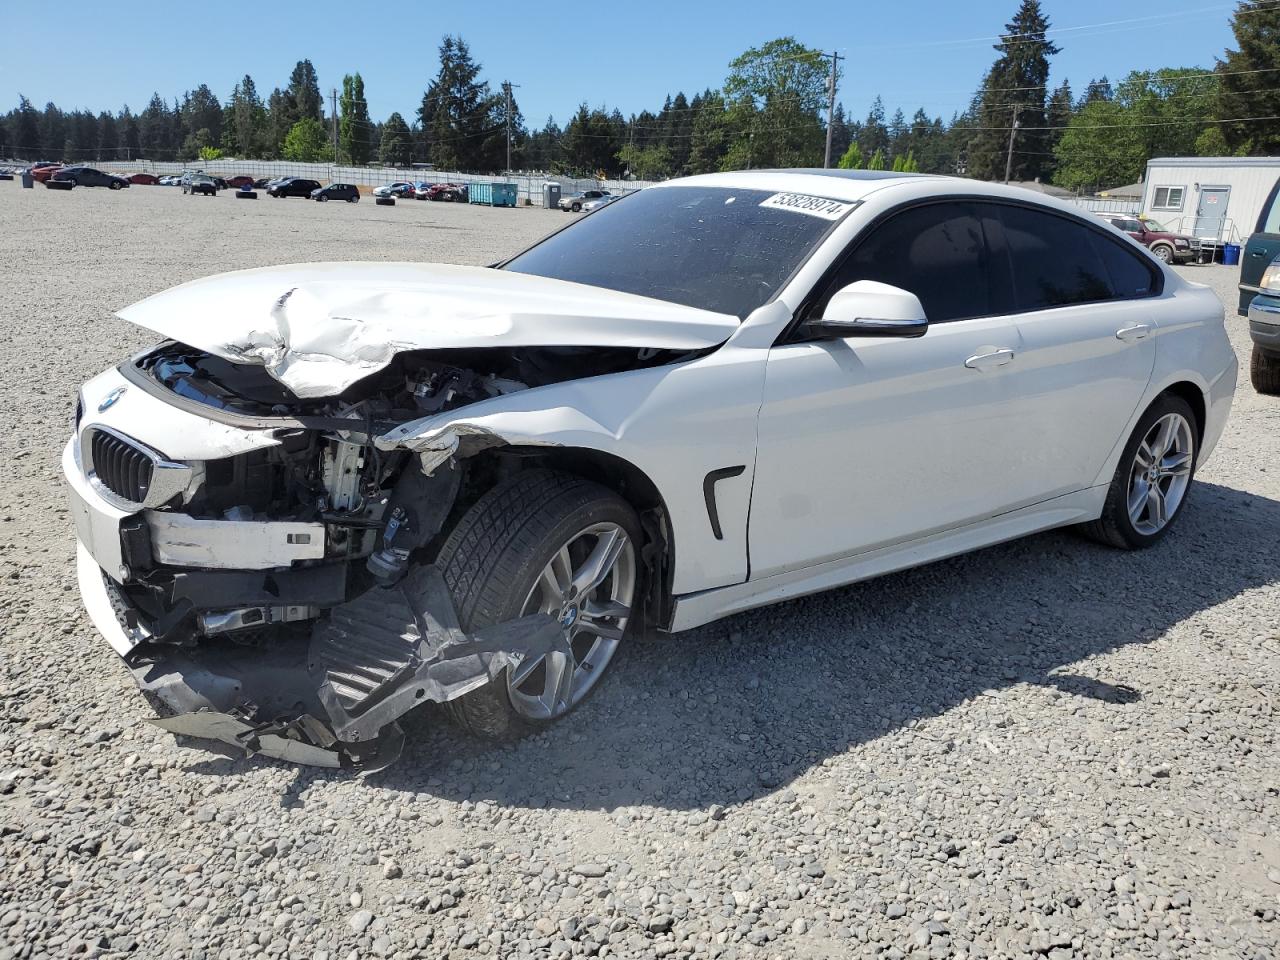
point(424, 190)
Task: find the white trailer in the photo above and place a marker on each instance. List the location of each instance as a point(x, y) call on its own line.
point(1214, 199)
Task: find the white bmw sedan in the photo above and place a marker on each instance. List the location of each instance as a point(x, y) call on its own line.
point(334, 492)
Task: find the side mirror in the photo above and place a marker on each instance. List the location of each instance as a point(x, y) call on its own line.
point(868, 308)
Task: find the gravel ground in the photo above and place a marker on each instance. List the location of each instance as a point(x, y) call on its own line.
point(1047, 748)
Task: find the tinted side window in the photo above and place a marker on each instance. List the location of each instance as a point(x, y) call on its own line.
point(1131, 276)
point(1054, 260)
point(938, 252)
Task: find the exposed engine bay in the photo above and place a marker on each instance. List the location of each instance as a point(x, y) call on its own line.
point(283, 600)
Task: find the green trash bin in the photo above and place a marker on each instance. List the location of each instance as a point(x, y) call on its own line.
point(494, 194)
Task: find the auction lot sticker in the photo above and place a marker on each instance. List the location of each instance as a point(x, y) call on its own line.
point(813, 206)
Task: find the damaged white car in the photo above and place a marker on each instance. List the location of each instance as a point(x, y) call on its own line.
point(338, 491)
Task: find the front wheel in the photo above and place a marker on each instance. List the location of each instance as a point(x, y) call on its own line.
point(1163, 252)
point(543, 542)
point(577, 208)
point(1153, 477)
point(322, 199)
point(115, 186)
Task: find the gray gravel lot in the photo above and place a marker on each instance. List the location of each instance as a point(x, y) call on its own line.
point(1048, 748)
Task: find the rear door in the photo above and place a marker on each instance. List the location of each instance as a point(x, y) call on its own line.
point(1262, 248)
point(1084, 312)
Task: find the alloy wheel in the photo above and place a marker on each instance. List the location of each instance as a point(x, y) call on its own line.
point(1161, 474)
point(589, 587)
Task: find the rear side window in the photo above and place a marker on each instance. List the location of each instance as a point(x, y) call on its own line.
point(1057, 262)
point(937, 251)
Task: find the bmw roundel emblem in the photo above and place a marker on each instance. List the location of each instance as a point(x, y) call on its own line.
point(109, 400)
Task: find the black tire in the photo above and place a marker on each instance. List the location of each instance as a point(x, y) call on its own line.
point(355, 200)
point(576, 207)
point(1163, 252)
point(1114, 527)
point(492, 559)
point(114, 185)
point(1264, 371)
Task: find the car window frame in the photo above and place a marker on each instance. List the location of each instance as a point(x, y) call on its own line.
point(815, 295)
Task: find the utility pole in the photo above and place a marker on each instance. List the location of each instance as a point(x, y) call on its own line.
point(333, 101)
point(1008, 161)
point(831, 104)
point(506, 89)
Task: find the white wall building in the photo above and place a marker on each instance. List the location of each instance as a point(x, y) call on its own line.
point(1212, 198)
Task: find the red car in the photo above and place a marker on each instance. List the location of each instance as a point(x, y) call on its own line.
point(43, 171)
point(448, 192)
point(144, 179)
point(236, 183)
point(1168, 246)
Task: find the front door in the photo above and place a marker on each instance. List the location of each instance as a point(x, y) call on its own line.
point(1211, 212)
point(864, 443)
point(868, 442)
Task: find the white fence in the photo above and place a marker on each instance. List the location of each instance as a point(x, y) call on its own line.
point(1126, 207)
point(529, 183)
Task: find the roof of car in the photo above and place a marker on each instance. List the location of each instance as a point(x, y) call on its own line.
point(837, 184)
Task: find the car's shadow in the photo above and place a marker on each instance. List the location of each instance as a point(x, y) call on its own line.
point(725, 713)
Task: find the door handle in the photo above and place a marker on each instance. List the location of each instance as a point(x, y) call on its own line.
point(1258, 253)
point(1137, 332)
point(985, 361)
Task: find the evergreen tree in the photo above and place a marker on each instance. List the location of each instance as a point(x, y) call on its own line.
point(396, 145)
point(280, 116)
point(130, 134)
point(709, 136)
point(201, 110)
point(53, 131)
point(249, 117)
point(155, 130)
point(1014, 92)
point(841, 134)
point(877, 161)
point(874, 136)
point(304, 93)
point(108, 137)
point(1058, 113)
point(458, 112)
point(898, 134)
point(354, 144)
point(1256, 26)
point(26, 131)
point(1095, 91)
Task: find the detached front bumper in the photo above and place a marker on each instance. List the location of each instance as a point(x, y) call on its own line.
point(327, 695)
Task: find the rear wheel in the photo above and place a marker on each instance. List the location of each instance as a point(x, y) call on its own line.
point(1264, 371)
point(1152, 479)
point(551, 543)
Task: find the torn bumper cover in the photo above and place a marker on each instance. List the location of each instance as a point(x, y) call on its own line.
point(332, 699)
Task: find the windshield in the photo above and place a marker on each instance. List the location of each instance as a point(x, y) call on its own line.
point(714, 248)
point(1155, 226)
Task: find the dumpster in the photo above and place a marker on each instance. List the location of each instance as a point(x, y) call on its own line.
point(1230, 254)
point(494, 194)
point(551, 196)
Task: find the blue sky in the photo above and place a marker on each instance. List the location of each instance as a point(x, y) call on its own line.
point(929, 54)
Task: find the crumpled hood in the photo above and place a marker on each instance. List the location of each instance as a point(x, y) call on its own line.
point(320, 327)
